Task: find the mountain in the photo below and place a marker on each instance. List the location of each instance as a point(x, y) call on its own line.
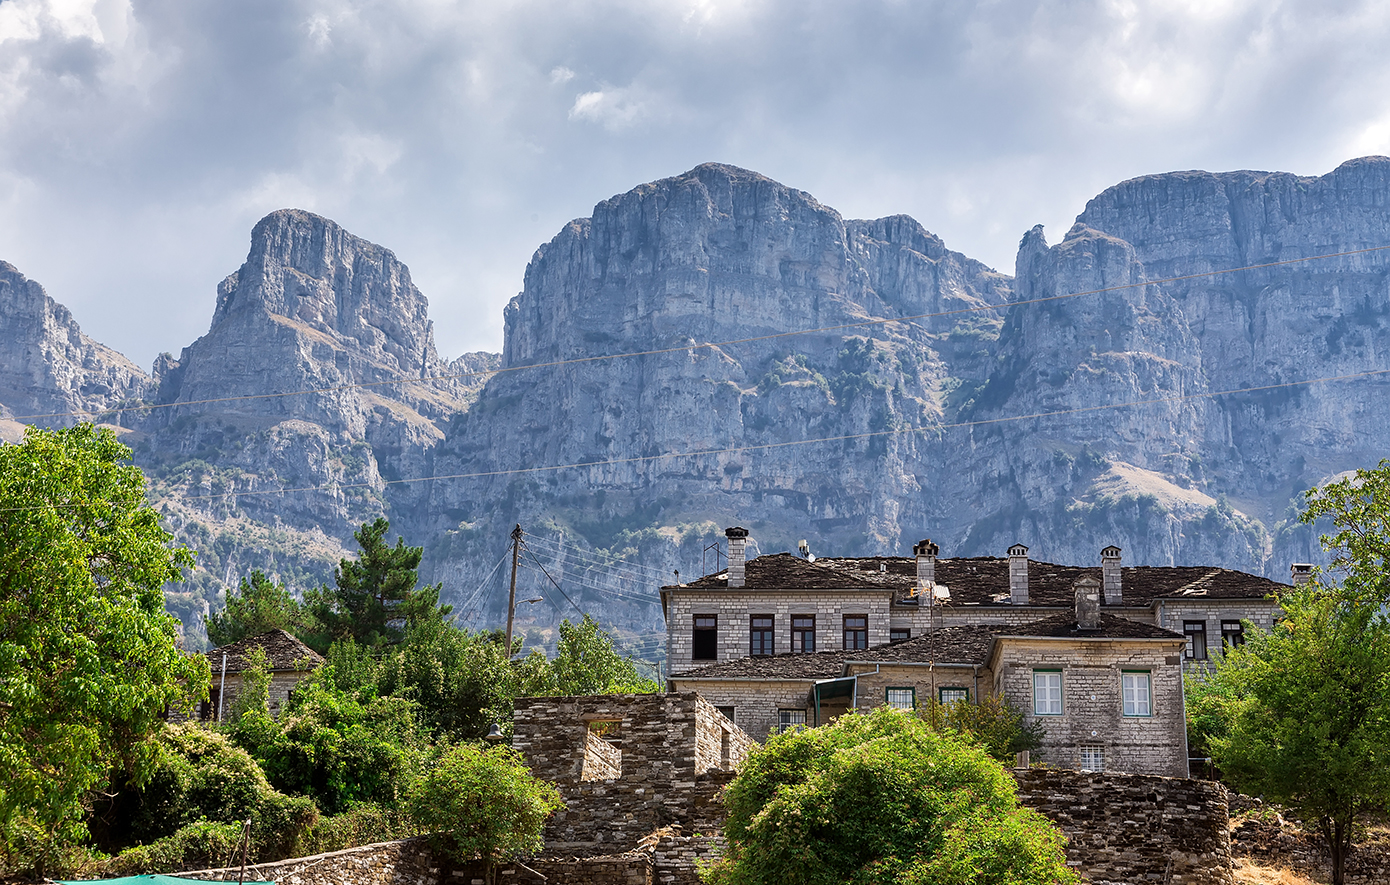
point(717, 348)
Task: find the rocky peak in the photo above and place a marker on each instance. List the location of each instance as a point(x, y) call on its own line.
point(48, 367)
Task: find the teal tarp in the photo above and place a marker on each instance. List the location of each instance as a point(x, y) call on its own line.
point(151, 880)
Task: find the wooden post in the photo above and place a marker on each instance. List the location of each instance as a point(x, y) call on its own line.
point(511, 594)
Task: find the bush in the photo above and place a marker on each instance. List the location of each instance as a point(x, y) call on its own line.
point(360, 825)
point(483, 804)
point(196, 846)
point(882, 798)
point(992, 724)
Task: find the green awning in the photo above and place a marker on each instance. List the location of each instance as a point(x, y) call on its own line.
point(835, 688)
point(154, 880)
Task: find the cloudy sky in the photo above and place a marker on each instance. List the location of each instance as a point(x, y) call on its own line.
point(141, 139)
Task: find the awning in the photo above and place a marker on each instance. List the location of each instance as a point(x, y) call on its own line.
point(828, 689)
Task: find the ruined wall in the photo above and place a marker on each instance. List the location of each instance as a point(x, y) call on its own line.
point(1135, 828)
point(674, 754)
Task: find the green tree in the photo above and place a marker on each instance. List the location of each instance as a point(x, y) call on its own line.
point(483, 804)
point(1302, 714)
point(1359, 507)
point(254, 696)
point(992, 723)
point(88, 661)
point(462, 681)
point(882, 798)
point(586, 663)
point(257, 605)
point(375, 597)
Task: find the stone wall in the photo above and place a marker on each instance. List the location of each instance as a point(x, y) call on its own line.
point(1135, 828)
point(1092, 715)
point(407, 862)
point(733, 608)
point(1172, 614)
point(675, 752)
point(755, 703)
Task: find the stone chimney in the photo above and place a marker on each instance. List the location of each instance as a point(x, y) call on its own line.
point(738, 538)
point(1018, 574)
point(1301, 573)
point(925, 551)
point(1110, 575)
point(1087, 602)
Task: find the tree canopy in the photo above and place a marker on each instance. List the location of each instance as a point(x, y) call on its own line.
point(1359, 507)
point(882, 798)
point(375, 598)
point(257, 605)
point(88, 661)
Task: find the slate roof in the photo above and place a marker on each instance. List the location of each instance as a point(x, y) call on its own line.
point(285, 653)
point(949, 645)
point(984, 580)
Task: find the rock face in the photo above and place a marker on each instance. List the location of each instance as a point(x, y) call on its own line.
point(48, 368)
point(1082, 402)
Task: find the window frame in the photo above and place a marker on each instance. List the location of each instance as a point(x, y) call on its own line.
point(888, 691)
point(785, 713)
point(762, 640)
point(1238, 633)
point(906, 634)
point(1061, 691)
point(1148, 694)
point(802, 633)
point(708, 634)
point(727, 711)
point(1190, 651)
point(941, 694)
point(846, 646)
point(1095, 749)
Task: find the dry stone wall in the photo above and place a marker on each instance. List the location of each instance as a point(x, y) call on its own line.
point(407, 862)
point(1123, 829)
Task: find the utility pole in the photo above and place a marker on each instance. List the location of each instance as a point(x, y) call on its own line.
point(511, 594)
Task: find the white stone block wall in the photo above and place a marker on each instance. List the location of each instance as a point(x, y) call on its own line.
point(1091, 701)
point(1172, 613)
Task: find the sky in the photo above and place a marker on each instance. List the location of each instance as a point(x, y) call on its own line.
point(140, 140)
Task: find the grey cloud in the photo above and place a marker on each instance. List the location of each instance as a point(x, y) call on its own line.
point(133, 164)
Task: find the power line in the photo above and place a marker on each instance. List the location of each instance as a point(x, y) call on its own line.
point(593, 562)
point(557, 586)
point(561, 543)
point(146, 407)
point(755, 447)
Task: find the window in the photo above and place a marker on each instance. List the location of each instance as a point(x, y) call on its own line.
point(1092, 758)
point(856, 631)
point(1134, 689)
point(803, 633)
point(901, 698)
point(727, 711)
point(951, 694)
point(1232, 634)
point(899, 634)
point(704, 645)
point(760, 635)
point(1196, 639)
point(790, 718)
point(1047, 692)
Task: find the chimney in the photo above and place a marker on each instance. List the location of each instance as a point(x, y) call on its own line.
point(1110, 575)
point(1302, 573)
point(738, 537)
point(1087, 602)
point(925, 551)
point(1018, 574)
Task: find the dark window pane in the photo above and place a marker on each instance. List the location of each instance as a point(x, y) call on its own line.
point(856, 631)
point(704, 644)
point(899, 634)
point(1196, 639)
point(803, 633)
point(760, 635)
point(1232, 633)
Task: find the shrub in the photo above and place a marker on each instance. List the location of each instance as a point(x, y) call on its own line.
point(882, 798)
point(196, 846)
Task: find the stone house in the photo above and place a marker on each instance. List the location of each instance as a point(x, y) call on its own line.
point(290, 662)
point(1097, 655)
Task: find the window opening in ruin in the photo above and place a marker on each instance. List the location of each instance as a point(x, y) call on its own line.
point(704, 644)
point(856, 631)
point(901, 698)
point(1232, 634)
point(790, 719)
point(727, 711)
point(760, 635)
point(1135, 689)
point(899, 634)
point(1092, 758)
point(951, 694)
point(603, 760)
point(1047, 692)
point(803, 633)
point(1196, 639)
